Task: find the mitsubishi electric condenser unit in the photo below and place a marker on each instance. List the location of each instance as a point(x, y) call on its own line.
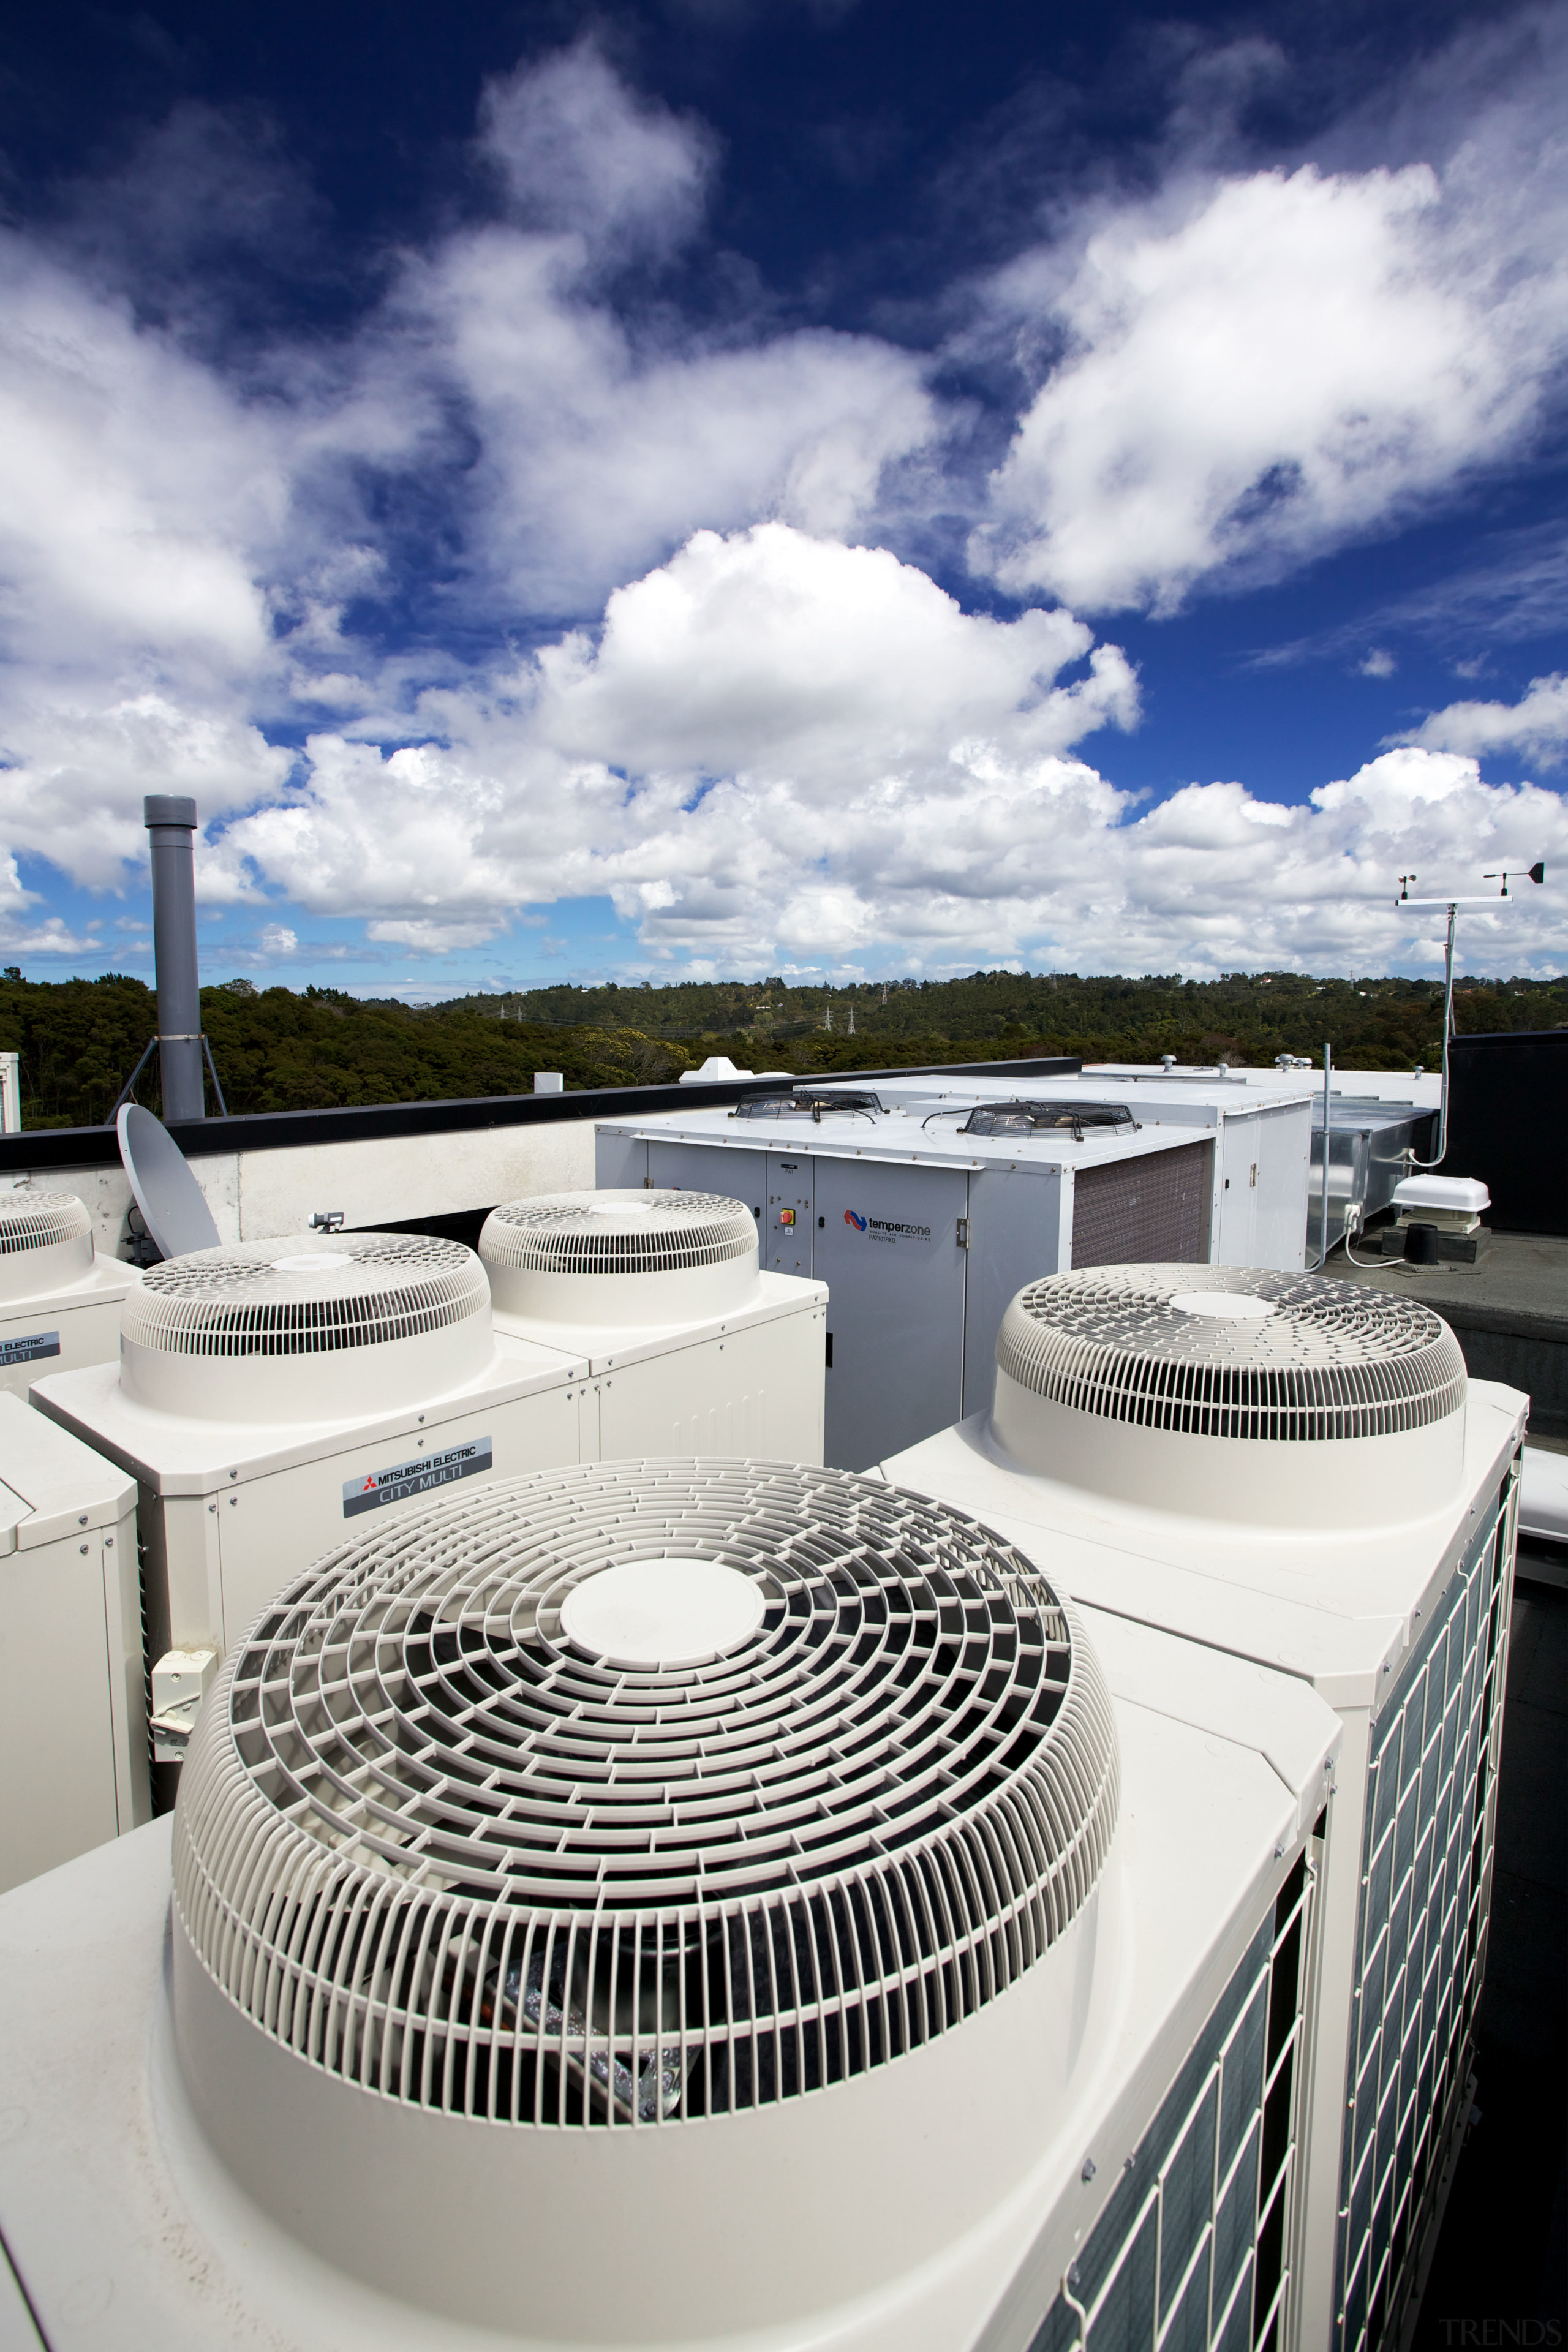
point(59, 1302)
point(268, 1396)
point(73, 1719)
point(924, 1216)
point(1297, 1472)
point(685, 1902)
point(691, 1347)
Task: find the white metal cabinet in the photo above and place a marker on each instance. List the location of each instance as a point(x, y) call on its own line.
point(73, 1722)
point(897, 1363)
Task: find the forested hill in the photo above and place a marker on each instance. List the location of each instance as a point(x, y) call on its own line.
point(81, 1039)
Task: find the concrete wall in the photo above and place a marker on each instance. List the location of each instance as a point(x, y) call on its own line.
point(258, 1195)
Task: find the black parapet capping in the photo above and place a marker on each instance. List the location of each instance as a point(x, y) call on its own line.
point(279, 1131)
point(1508, 1124)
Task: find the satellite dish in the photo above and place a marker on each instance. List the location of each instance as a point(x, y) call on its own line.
point(170, 1199)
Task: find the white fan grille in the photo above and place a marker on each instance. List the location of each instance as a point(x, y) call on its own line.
point(240, 1302)
point(431, 1847)
point(32, 1221)
point(581, 1233)
point(1332, 1360)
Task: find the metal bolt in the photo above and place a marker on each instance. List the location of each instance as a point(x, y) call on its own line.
point(82, 1548)
point(109, 1543)
point(234, 1474)
point(1087, 2172)
point(83, 1521)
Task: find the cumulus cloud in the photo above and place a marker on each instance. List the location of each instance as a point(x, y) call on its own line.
point(780, 751)
point(1536, 725)
point(763, 740)
point(1240, 368)
point(766, 674)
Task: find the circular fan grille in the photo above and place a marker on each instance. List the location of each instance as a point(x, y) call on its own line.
point(265, 1298)
point(438, 1850)
point(617, 1233)
point(30, 1220)
point(1326, 1359)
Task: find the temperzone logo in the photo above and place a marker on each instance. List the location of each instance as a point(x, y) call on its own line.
point(886, 1229)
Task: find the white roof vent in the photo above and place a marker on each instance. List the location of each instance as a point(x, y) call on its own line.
point(46, 1240)
point(621, 1258)
point(1462, 1196)
point(1278, 1400)
point(621, 1799)
point(312, 1326)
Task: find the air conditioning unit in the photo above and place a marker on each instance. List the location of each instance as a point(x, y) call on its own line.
point(692, 1348)
point(1296, 1472)
point(73, 1716)
point(60, 1301)
point(271, 1395)
point(924, 1216)
point(761, 1862)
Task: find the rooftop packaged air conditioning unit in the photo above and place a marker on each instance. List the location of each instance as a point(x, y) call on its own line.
point(269, 1396)
point(755, 1861)
point(692, 1348)
point(1297, 1472)
point(923, 1215)
point(73, 1717)
point(60, 1301)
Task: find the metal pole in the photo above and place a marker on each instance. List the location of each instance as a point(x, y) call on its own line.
point(1442, 1152)
point(1324, 1213)
point(11, 1092)
point(171, 820)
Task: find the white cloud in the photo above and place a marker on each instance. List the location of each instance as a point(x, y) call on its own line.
point(278, 942)
point(580, 152)
point(1253, 368)
point(81, 769)
point(1536, 725)
point(783, 750)
point(135, 494)
point(1379, 663)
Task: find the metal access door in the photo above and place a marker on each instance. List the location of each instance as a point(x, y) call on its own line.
point(890, 1248)
point(712, 1168)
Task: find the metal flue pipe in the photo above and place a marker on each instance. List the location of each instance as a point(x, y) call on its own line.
point(171, 820)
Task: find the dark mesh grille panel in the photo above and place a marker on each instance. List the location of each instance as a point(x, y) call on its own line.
point(1189, 2253)
point(1154, 1209)
point(1420, 1937)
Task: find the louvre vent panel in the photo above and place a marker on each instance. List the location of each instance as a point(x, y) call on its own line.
point(30, 1220)
point(1330, 1362)
point(1420, 1941)
point(581, 1233)
point(437, 1850)
point(241, 1302)
point(1193, 2248)
point(1155, 1208)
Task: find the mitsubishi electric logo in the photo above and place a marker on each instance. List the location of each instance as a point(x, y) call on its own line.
point(886, 1229)
point(421, 1476)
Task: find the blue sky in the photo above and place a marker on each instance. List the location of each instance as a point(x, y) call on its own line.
point(844, 486)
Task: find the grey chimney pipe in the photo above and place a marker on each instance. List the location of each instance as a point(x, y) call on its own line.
point(171, 819)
